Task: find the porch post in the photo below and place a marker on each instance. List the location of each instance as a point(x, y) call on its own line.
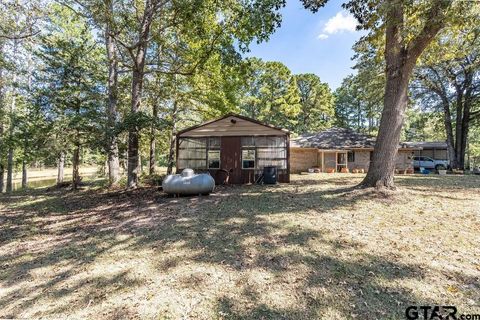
point(323, 161)
point(336, 161)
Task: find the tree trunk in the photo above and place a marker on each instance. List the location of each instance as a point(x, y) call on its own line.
point(12, 126)
point(76, 163)
point(10, 169)
point(133, 133)
point(447, 119)
point(60, 168)
point(465, 129)
point(171, 151)
point(400, 59)
point(381, 171)
point(112, 143)
point(2, 129)
point(153, 131)
point(458, 131)
point(26, 146)
point(151, 167)
point(24, 162)
point(137, 88)
point(2, 178)
point(171, 154)
point(24, 174)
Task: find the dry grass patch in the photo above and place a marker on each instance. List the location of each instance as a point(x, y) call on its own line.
point(312, 249)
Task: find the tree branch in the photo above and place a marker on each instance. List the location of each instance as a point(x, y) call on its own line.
point(19, 37)
point(434, 22)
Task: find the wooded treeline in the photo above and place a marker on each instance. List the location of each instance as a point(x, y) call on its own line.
point(443, 94)
point(110, 82)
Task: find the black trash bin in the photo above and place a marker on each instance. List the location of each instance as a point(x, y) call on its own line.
point(270, 175)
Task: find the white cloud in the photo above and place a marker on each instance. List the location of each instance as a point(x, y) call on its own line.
point(341, 22)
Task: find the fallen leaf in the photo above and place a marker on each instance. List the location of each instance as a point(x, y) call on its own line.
point(452, 289)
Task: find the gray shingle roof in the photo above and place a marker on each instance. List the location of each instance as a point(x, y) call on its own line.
point(334, 138)
point(426, 144)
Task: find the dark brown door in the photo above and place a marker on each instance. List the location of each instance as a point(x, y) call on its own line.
point(230, 159)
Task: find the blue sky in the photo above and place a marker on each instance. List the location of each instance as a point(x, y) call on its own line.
point(307, 42)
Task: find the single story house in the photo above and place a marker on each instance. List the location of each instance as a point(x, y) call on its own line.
point(433, 149)
point(234, 149)
point(337, 148)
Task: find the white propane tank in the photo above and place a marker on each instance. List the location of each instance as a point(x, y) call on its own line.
point(188, 183)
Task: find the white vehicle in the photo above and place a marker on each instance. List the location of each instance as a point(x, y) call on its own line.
point(429, 163)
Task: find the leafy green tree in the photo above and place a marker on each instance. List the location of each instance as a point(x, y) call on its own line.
point(449, 82)
point(408, 28)
point(358, 104)
point(187, 83)
point(31, 134)
point(71, 81)
point(349, 106)
point(272, 94)
point(317, 104)
point(423, 125)
point(3, 117)
point(20, 21)
point(215, 24)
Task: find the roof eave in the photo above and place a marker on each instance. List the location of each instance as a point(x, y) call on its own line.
point(231, 115)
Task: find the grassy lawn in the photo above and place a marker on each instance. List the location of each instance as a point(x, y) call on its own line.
point(312, 249)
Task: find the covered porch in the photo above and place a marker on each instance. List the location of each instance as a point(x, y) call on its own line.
point(331, 160)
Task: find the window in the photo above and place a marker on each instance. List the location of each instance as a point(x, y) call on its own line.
point(192, 153)
point(248, 141)
point(371, 155)
point(199, 153)
point(259, 152)
point(272, 153)
point(213, 159)
point(351, 156)
point(281, 164)
point(214, 143)
point(270, 142)
point(248, 159)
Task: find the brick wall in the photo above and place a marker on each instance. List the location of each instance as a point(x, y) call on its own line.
point(302, 159)
point(362, 161)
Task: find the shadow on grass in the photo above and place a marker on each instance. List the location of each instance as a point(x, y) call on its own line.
point(439, 182)
point(217, 229)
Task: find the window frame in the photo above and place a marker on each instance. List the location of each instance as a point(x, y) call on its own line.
point(207, 142)
point(219, 158)
point(261, 143)
point(352, 158)
point(254, 158)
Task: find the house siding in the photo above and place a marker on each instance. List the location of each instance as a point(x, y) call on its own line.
point(230, 134)
point(225, 127)
point(404, 160)
point(302, 159)
point(362, 161)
